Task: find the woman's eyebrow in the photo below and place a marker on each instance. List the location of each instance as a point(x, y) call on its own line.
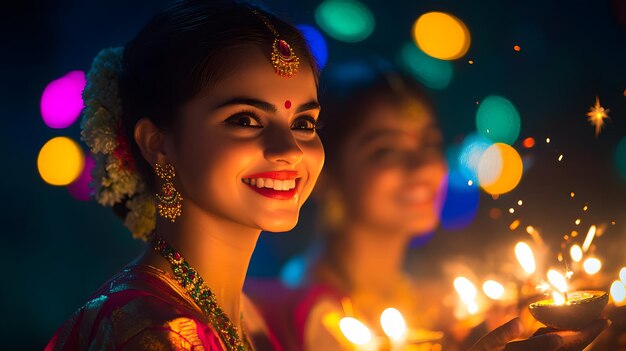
point(311, 105)
point(266, 106)
point(260, 104)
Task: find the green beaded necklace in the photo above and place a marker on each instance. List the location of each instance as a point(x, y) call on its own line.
point(194, 285)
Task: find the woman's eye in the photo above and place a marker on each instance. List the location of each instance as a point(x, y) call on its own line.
point(305, 123)
point(243, 120)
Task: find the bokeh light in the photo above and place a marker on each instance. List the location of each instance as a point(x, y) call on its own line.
point(293, 272)
point(465, 288)
point(618, 293)
point(60, 161)
point(316, 42)
point(441, 35)
point(499, 169)
point(576, 252)
point(493, 289)
point(592, 265)
point(80, 188)
point(472, 148)
point(345, 20)
point(622, 275)
point(498, 120)
point(432, 72)
point(61, 101)
point(525, 257)
point(529, 142)
point(461, 204)
point(620, 157)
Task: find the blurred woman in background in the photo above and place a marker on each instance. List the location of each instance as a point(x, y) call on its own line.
point(382, 186)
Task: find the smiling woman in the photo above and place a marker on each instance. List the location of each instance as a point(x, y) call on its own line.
point(194, 109)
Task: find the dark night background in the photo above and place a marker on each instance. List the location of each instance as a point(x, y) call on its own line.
point(57, 250)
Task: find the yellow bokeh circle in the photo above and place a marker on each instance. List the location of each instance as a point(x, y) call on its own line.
point(499, 169)
point(60, 161)
point(441, 35)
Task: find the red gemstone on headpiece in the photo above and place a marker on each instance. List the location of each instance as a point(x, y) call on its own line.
point(284, 49)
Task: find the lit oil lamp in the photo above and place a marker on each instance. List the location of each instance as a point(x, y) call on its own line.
point(467, 292)
point(398, 337)
point(394, 326)
point(357, 333)
point(568, 310)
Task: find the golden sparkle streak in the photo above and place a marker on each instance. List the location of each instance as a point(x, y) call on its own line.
point(589, 238)
point(514, 224)
point(596, 116)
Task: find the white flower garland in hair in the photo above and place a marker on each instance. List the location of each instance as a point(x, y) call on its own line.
point(114, 177)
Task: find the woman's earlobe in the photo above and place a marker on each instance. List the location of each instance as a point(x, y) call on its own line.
point(151, 141)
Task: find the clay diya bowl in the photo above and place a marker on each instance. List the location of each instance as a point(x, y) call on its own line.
point(581, 309)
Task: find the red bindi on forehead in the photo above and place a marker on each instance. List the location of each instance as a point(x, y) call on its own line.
point(287, 104)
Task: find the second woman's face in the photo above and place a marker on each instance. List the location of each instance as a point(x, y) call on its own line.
point(247, 149)
point(393, 170)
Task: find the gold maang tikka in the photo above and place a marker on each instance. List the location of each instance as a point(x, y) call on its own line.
point(170, 200)
point(283, 58)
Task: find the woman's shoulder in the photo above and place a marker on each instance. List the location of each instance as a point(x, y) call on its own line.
point(287, 310)
point(139, 308)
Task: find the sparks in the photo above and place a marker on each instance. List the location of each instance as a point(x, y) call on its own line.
point(596, 116)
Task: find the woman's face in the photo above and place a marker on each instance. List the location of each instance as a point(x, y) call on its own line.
point(247, 150)
point(393, 170)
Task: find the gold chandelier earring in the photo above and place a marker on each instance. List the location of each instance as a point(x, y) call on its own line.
point(170, 201)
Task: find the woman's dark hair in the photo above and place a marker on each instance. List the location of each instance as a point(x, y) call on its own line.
point(349, 90)
point(185, 48)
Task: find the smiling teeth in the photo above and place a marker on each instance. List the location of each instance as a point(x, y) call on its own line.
point(282, 185)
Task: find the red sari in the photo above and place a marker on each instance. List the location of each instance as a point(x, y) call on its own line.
point(143, 308)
